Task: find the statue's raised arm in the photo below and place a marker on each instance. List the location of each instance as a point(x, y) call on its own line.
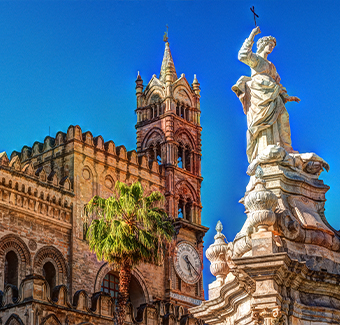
point(263, 98)
point(245, 54)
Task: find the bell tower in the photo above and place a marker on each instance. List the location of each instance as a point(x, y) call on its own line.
point(169, 131)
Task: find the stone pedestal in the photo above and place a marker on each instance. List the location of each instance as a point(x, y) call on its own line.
point(285, 269)
point(263, 243)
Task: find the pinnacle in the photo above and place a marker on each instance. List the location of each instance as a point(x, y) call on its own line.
point(167, 64)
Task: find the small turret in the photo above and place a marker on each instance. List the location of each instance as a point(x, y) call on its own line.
point(139, 89)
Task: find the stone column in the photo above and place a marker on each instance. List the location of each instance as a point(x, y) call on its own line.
point(155, 152)
point(183, 157)
point(191, 162)
point(184, 212)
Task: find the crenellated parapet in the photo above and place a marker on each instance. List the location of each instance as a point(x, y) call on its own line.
point(50, 152)
point(98, 307)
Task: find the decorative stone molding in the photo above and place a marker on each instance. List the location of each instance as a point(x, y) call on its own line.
point(260, 204)
point(268, 316)
point(53, 255)
point(14, 243)
point(217, 254)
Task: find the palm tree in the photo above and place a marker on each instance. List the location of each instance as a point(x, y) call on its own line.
point(127, 229)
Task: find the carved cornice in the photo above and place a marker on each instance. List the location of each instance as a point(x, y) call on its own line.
point(232, 294)
point(290, 273)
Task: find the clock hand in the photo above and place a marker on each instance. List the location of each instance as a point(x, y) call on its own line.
point(186, 259)
point(193, 267)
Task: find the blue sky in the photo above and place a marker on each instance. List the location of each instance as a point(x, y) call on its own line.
point(75, 62)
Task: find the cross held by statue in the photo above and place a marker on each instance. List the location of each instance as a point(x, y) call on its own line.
point(252, 9)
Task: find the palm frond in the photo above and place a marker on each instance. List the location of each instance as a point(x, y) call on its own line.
point(129, 226)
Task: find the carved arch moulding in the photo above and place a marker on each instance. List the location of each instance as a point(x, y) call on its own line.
point(186, 190)
point(155, 96)
point(14, 319)
point(14, 243)
point(184, 137)
point(181, 94)
point(106, 268)
point(156, 135)
point(50, 320)
point(53, 255)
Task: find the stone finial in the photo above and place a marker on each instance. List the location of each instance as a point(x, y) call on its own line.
point(217, 254)
point(196, 86)
point(260, 204)
point(218, 228)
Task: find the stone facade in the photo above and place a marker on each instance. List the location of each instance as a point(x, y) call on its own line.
point(48, 275)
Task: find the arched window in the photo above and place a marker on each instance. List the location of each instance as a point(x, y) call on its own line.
point(154, 153)
point(188, 209)
point(50, 274)
point(11, 268)
point(180, 157)
point(110, 285)
point(185, 209)
point(188, 159)
point(184, 157)
point(178, 109)
point(181, 206)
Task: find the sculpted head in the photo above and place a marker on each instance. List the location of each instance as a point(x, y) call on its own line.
point(266, 44)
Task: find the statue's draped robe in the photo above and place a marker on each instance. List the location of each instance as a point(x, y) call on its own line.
point(262, 98)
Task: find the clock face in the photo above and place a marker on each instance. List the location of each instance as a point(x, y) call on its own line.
point(187, 263)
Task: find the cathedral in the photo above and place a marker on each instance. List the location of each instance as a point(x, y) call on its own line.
point(47, 273)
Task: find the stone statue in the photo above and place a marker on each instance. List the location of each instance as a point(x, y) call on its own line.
point(263, 98)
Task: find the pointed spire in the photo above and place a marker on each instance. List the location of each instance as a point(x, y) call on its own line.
point(168, 66)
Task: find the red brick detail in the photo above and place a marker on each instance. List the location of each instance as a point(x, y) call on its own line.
point(12, 242)
point(50, 253)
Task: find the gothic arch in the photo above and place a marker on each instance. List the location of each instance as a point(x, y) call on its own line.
point(156, 91)
point(14, 243)
point(184, 137)
point(51, 319)
point(184, 97)
point(154, 87)
point(154, 135)
point(14, 319)
point(106, 268)
point(185, 189)
point(53, 255)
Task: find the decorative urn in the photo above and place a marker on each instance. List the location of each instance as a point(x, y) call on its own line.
point(217, 254)
point(260, 204)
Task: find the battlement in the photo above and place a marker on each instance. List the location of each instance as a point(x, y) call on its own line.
point(52, 148)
